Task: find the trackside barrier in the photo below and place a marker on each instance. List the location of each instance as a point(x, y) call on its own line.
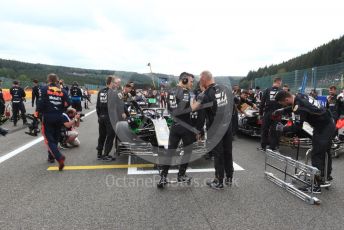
point(289, 164)
point(8, 97)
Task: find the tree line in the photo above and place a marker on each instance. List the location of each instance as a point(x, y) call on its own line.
point(24, 71)
point(327, 54)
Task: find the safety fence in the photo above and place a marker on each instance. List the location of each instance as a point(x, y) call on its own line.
point(319, 78)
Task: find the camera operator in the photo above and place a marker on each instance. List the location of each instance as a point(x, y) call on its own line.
point(71, 120)
point(306, 109)
point(215, 96)
point(76, 96)
point(106, 132)
point(179, 102)
point(52, 103)
point(18, 97)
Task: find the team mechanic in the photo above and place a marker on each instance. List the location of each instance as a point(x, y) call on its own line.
point(18, 97)
point(267, 107)
point(128, 100)
point(306, 109)
point(217, 98)
point(52, 102)
point(106, 132)
point(179, 106)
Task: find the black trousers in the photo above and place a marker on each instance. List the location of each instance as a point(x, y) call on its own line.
point(86, 103)
point(106, 134)
point(77, 105)
point(235, 121)
point(16, 108)
point(2, 109)
point(177, 133)
point(269, 135)
point(223, 158)
point(321, 142)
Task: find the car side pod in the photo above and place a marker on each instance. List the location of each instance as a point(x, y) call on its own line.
point(286, 166)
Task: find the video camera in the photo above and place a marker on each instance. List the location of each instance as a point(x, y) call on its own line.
point(3, 131)
point(33, 126)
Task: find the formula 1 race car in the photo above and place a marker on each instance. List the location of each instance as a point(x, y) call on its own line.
point(152, 102)
point(249, 122)
point(145, 134)
point(303, 139)
point(142, 103)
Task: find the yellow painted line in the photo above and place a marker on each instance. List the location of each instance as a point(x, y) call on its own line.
point(93, 167)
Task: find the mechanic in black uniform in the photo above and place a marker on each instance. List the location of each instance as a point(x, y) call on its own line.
point(243, 100)
point(133, 89)
point(306, 109)
point(251, 96)
point(18, 97)
point(267, 107)
point(2, 104)
point(35, 93)
point(198, 117)
point(106, 132)
point(340, 100)
point(178, 105)
point(76, 96)
point(216, 96)
point(52, 102)
point(332, 102)
point(128, 99)
point(258, 95)
point(235, 115)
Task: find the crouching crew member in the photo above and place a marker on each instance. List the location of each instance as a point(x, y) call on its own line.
point(306, 109)
point(215, 96)
point(179, 106)
point(52, 102)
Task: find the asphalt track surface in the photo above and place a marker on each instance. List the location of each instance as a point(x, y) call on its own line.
point(31, 197)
